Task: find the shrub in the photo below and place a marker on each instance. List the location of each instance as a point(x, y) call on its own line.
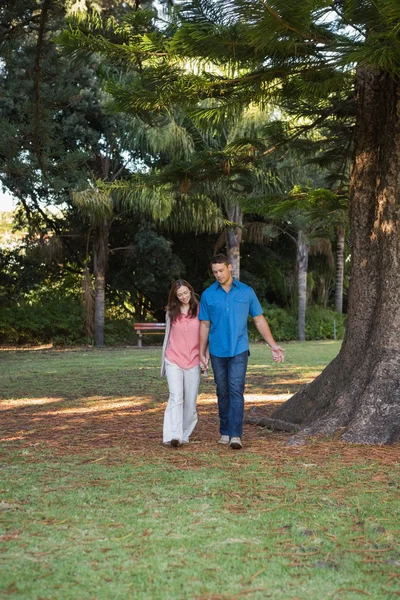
point(60, 321)
point(55, 320)
point(283, 324)
point(320, 323)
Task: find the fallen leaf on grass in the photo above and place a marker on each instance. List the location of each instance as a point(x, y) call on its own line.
point(348, 589)
point(10, 536)
point(250, 591)
point(124, 537)
point(296, 555)
point(374, 550)
point(146, 533)
point(12, 588)
point(255, 575)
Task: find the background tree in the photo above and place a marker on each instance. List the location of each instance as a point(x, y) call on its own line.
point(59, 138)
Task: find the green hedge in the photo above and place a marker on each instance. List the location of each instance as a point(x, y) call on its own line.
point(57, 321)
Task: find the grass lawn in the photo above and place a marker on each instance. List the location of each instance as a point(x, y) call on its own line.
point(94, 507)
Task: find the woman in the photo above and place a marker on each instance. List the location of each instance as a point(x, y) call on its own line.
point(181, 363)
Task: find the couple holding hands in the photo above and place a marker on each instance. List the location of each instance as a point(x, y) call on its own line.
point(215, 329)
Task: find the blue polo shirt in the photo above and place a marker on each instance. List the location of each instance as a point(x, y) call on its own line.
point(227, 313)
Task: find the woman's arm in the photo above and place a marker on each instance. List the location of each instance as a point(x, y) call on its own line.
point(204, 351)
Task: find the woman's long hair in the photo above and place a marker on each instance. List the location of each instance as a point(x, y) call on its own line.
point(174, 304)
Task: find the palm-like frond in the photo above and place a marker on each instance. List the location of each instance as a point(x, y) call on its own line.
point(323, 246)
point(94, 203)
point(258, 232)
point(143, 197)
point(198, 214)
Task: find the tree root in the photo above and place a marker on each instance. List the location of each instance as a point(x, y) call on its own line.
point(275, 424)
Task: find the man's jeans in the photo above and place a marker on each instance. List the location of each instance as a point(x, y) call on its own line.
point(230, 375)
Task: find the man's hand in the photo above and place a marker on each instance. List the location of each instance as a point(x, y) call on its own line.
point(264, 330)
point(277, 354)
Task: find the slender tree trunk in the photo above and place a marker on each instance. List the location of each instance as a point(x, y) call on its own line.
point(234, 238)
point(302, 267)
point(339, 269)
point(100, 267)
point(358, 393)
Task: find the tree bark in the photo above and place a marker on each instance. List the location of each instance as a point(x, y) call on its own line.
point(341, 232)
point(302, 268)
point(100, 267)
point(358, 394)
point(234, 238)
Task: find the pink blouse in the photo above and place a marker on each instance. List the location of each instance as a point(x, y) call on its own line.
point(184, 346)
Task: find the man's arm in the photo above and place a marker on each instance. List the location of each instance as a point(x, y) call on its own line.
point(204, 354)
point(264, 330)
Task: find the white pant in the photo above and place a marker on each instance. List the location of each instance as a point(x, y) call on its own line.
point(180, 416)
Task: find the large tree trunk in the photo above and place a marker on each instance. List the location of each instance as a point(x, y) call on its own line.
point(341, 231)
point(100, 267)
point(302, 268)
point(358, 394)
point(234, 238)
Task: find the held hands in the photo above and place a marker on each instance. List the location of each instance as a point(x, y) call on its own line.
point(277, 354)
point(203, 363)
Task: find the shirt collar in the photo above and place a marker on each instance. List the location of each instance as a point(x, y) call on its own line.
point(235, 282)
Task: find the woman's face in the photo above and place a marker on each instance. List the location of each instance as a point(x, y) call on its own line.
point(183, 294)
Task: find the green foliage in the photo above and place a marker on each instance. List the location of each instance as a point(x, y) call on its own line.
point(320, 323)
point(55, 319)
point(284, 326)
point(141, 277)
point(118, 330)
point(59, 321)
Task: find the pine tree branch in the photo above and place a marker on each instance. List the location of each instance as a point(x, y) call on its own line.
point(39, 46)
point(284, 23)
point(302, 130)
point(340, 15)
point(13, 31)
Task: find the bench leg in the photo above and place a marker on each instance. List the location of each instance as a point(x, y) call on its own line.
point(139, 339)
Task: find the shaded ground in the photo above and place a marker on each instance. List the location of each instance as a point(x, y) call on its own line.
point(70, 424)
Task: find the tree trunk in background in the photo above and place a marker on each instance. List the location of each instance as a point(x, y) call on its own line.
point(302, 267)
point(358, 394)
point(339, 269)
point(234, 238)
point(100, 267)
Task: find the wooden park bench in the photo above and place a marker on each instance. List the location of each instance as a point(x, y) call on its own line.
point(147, 328)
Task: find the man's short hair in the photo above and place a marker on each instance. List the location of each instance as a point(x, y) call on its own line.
point(220, 259)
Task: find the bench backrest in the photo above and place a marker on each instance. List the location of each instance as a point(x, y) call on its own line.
point(144, 326)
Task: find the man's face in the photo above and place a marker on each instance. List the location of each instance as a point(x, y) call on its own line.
point(222, 272)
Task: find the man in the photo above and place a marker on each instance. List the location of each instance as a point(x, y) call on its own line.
point(224, 309)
